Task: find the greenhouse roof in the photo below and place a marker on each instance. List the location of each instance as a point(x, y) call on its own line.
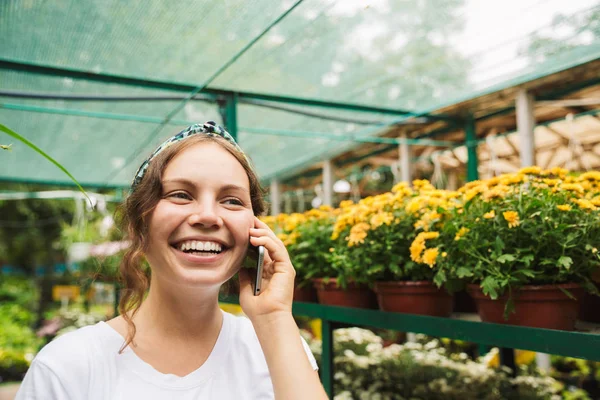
point(99, 84)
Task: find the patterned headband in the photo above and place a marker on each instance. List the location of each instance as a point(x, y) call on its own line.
point(208, 128)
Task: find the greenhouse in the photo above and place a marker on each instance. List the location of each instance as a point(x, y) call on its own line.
point(432, 168)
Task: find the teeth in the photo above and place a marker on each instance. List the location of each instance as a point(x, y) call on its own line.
point(200, 246)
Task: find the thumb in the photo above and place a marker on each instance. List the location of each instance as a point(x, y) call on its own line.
point(245, 282)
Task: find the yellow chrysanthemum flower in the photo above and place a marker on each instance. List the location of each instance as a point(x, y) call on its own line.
point(585, 204)
point(358, 233)
point(413, 205)
point(573, 187)
point(430, 256)
point(428, 235)
point(551, 182)
point(416, 248)
point(400, 187)
point(564, 207)
point(560, 172)
point(530, 171)
point(462, 232)
point(292, 238)
point(490, 215)
point(346, 203)
point(512, 217)
point(591, 176)
point(381, 218)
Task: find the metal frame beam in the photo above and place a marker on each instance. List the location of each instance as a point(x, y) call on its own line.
point(471, 143)
point(260, 131)
point(214, 92)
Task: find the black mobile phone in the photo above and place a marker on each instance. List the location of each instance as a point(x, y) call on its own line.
point(255, 258)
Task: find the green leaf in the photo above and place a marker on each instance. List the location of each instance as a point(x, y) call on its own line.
point(527, 272)
point(528, 259)
point(15, 135)
point(439, 278)
point(506, 257)
point(565, 261)
point(499, 245)
point(490, 287)
point(463, 272)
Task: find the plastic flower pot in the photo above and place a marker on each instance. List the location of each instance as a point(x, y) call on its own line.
point(589, 307)
point(542, 306)
point(306, 294)
point(354, 295)
point(416, 297)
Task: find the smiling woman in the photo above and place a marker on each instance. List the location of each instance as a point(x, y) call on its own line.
point(191, 215)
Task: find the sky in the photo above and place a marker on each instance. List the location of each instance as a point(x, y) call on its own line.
point(495, 30)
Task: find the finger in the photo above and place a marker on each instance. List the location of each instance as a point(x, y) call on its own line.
point(277, 251)
point(264, 232)
point(267, 259)
point(261, 225)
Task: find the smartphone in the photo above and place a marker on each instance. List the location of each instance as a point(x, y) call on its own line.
point(255, 257)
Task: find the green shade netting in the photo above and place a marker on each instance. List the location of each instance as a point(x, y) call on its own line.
point(399, 54)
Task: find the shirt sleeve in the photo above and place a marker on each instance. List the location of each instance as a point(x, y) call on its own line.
point(310, 355)
point(42, 383)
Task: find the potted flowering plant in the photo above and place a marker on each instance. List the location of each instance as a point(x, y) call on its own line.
point(527, 244)
point(373, 248)
point(307, 238)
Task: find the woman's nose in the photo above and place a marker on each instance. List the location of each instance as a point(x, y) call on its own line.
point(205, 214)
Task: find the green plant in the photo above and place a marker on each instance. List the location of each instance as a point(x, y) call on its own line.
point(20, 138)
point(18, 342)
point(533, 227)
point(365, 369)
point(308, 240)
point(374, 236)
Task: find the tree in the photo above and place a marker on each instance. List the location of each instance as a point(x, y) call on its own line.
point(565, 33)
point(30, 230)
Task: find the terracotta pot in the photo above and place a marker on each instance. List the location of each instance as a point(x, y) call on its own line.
point(463, 303)
point(307, 294)
point(357, 296)
point(589, 307)
point(543, 306)
point(418, 297)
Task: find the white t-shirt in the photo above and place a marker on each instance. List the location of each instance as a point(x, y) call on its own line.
point(86, 364)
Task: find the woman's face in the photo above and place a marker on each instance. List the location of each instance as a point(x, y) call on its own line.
point(199, 230)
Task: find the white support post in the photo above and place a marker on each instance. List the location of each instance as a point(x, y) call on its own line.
point(525, 126)
point(543, 361)
point(452, 180)
point(275, 198)
point(405, 159)
point(327, 183)
point(301, 200)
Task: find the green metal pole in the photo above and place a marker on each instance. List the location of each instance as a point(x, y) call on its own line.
point(230, 117)
point(327, 357)
point(471, 143)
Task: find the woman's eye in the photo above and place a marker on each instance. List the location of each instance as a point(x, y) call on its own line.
point(179, 195)
point(234, 201)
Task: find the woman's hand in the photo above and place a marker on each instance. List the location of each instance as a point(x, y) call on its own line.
point(278, 276)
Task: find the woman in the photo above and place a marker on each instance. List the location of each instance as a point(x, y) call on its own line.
point(191, 213)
